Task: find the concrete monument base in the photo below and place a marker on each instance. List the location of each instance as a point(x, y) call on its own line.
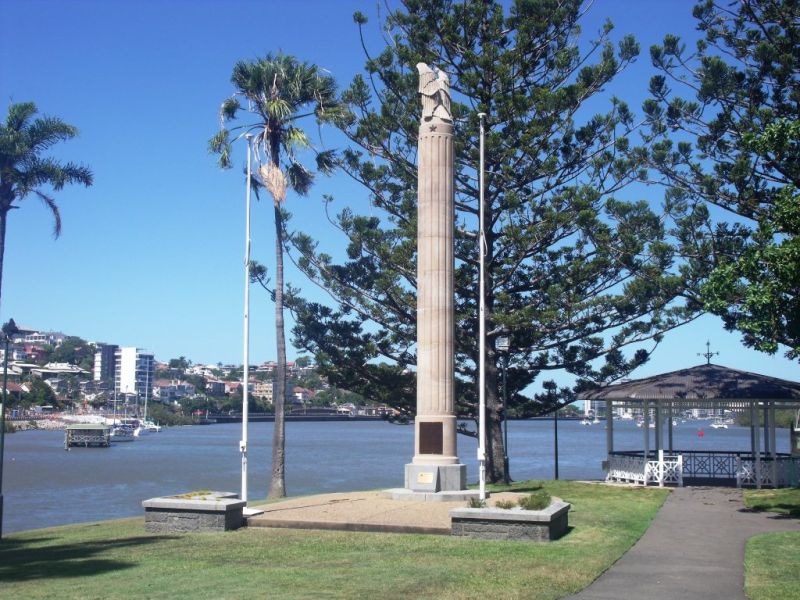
point(412, 496)
point(421, 477)
point(434, 483)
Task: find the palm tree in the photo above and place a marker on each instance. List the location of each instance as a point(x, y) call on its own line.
point(24, 171)
point(279, 91)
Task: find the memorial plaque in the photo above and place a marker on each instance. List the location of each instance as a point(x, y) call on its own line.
point(430, 438)
point(425, 477)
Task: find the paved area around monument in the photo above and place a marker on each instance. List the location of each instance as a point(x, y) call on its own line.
point(361, 511)
point(693, 549)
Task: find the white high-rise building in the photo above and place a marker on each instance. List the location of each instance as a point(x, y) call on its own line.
point(135, 372)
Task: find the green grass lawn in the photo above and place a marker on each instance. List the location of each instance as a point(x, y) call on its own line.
point(118, 559)
point(772, 566)
point(772, 560)
point(785, 500)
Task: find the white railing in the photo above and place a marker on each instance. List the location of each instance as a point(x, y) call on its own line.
point(780, 472)
point(631, 467)
point(626, 469)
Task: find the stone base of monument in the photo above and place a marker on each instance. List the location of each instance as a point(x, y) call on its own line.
point(434, 483)
point(194, 512)
point(411, 495)
point(512, 524)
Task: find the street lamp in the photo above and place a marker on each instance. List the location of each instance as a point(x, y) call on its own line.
point(9, 329)
point(503, 346)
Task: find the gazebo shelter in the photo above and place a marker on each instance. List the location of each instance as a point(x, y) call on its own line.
point(703, 387)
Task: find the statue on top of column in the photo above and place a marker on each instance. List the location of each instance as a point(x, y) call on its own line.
point(434, 87)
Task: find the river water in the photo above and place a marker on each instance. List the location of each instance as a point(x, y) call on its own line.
point(44, 486)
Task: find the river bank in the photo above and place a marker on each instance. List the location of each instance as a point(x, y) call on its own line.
point(37, 425)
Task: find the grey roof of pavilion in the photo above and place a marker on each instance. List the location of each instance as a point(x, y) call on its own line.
point(704, 382)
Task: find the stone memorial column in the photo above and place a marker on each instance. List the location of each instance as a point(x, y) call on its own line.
point(435, 466)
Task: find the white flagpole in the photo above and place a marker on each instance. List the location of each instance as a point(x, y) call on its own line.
point(481, 330)
point(246, 370)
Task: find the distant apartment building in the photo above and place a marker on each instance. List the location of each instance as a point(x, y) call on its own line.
point(231, 387)
point(263, 390)
point(215, 388)
point(49, 338)
point(105, 360)
point(29, 352)
point(134, 372)
point(168, 390)
point(57, 370)
point(302, 395)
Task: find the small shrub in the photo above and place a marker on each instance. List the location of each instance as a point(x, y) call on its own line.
point(505, 504)
point(538, 500)
point(197, 494)
point(476, 503)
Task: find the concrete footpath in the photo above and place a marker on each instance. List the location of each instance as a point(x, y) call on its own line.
point(693, 549)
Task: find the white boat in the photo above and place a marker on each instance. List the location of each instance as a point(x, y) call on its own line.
point(150, 426)
point(119, 432)
point(586, 422)
point(718, 424)
point(122, 433)
point(595, 421)
point(135, 425)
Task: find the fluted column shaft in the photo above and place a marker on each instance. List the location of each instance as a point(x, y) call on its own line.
point(435, 296)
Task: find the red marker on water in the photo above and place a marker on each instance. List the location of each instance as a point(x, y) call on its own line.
point(700, 433)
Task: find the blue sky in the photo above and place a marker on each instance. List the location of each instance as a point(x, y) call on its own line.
point(152, 254)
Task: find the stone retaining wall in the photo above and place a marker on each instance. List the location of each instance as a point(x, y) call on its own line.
point(512, 524)
point(185, 515)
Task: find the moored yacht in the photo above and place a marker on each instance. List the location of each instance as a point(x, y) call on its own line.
point(122, 433)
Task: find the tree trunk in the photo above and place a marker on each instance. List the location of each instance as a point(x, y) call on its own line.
point(495, 463)
point(277, 486)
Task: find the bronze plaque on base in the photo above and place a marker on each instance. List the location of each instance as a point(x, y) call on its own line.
point(430, 438)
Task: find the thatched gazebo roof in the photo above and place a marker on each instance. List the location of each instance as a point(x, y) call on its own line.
point(702, 383)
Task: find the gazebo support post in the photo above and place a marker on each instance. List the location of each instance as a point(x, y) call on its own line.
point(646, 427)
point(609, 427)
point(772, 444)
point(669, 426)
point(766, 429)
point(753, 425)
point(772, 431)
point(659, 441)
point(757, 456)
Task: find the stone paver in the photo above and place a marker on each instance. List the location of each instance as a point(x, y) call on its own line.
point(356, 511)
point(360, 511)
point(693, 549)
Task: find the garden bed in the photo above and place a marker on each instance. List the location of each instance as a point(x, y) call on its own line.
point(194, 512)
point(512, 523)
